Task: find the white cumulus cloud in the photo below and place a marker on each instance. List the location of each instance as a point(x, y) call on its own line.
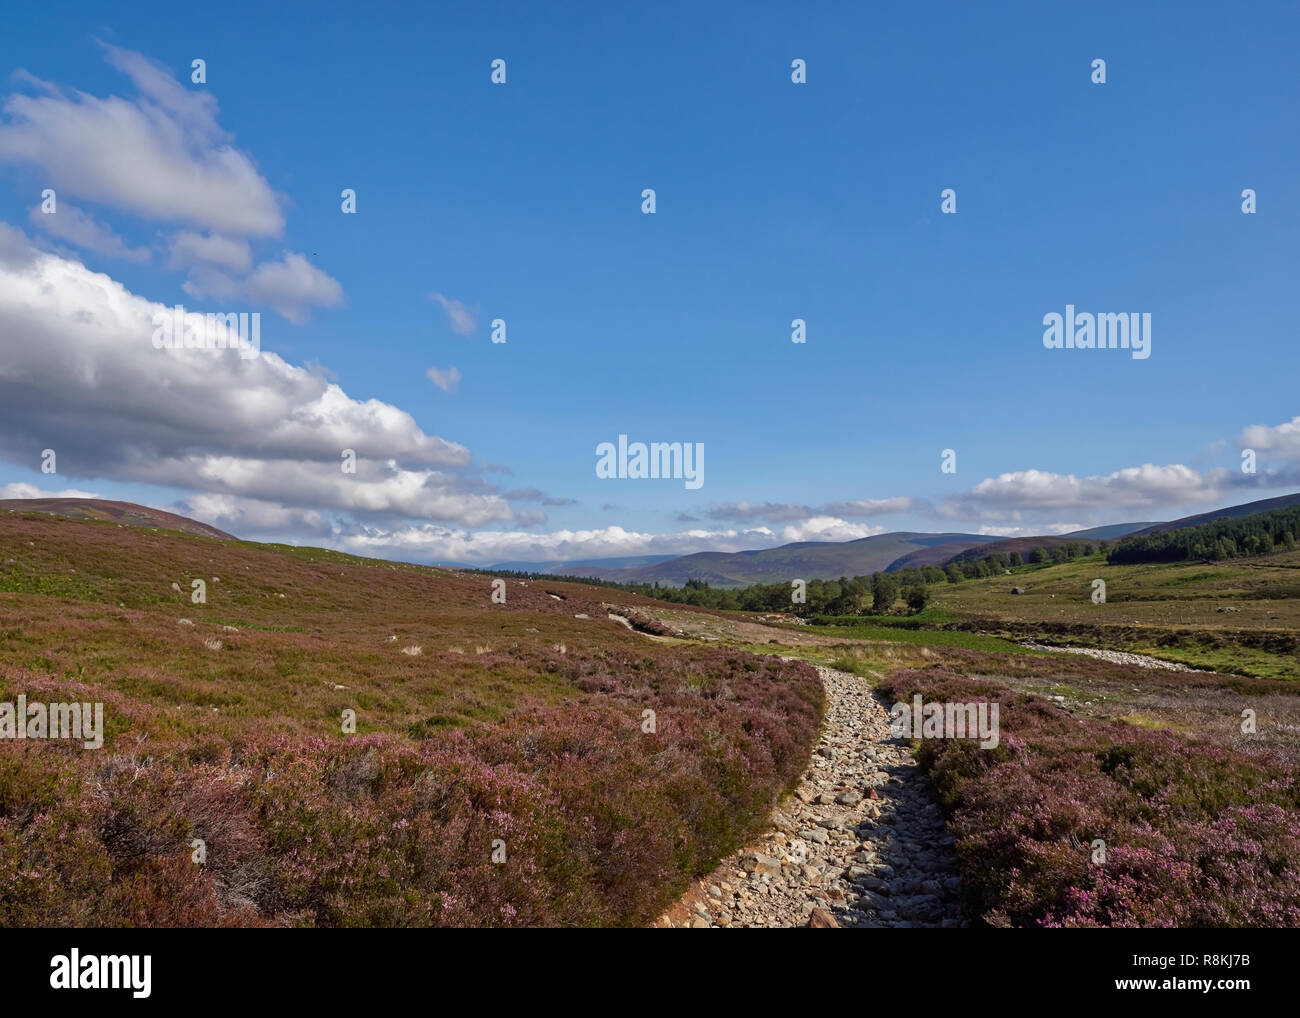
point(160, 155)
point(79, 374)
point(21, 489)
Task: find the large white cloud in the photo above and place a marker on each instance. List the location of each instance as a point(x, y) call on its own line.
point(80, 374)
point(429, 543)
point(1147, 485)
point(1041, 495)
point(827, 528)
point(432, 543)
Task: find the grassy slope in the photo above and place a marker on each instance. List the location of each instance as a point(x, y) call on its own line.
point(1238, 616)
point(519, 721)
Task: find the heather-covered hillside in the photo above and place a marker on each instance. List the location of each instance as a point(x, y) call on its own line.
point(518, 730)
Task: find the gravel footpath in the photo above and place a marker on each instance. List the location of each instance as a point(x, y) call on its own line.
point(861, 843)
point(1119, 657)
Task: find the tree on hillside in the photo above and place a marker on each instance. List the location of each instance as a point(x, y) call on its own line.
point(884, 591)
point(849, 599)
point(917, 598)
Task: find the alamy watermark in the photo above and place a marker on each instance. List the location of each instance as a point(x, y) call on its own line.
point(82, 721)
point(179, 329)
point(75, 971)
point(919, 720)
point(1085, 331)
point(679, 460)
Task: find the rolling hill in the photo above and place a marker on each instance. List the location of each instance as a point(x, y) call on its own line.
point(128, 514)
point(956, 551)
point(1230, 512)
point(805, 559)
point(348, 736)
point(941, 554)
point(1022, 545)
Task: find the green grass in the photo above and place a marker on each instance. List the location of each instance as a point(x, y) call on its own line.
point(857, 663)
point(926, 619)
point(1241, 616)
point(929, 637)
point(1230, 660)
point(70, 586)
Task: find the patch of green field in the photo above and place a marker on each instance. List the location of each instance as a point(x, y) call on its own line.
point(69, 586)
point(926, 619)
point(1229, 660)
point(930, 637)
point(853, 663)
point(1153, 723)
point(1240, 617)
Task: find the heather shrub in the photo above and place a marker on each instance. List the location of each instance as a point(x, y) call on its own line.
point(602, 823)
point(534, 740)
point(1195, 834)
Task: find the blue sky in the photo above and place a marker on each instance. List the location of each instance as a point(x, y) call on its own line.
point(775, 201)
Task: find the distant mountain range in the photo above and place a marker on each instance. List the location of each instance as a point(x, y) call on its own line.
point(806, 559)
point(809, 560)
point(828, 560)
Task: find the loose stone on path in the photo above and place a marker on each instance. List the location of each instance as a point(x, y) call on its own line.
point(861, 843)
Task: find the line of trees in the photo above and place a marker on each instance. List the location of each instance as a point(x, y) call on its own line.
point(974, 565)
point(876, 594)
point(1260, 534)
